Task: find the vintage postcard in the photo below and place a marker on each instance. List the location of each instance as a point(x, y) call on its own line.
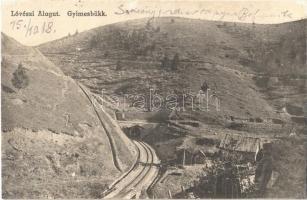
point(164, 99)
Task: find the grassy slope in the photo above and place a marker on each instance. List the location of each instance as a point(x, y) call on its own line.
point(225, 61)
point(239, 59)
point(53, 144)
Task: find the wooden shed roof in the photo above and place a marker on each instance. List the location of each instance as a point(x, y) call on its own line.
point(241, 143)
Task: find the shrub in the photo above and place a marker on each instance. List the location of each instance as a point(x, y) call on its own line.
point(20, 79)
point(223, 179)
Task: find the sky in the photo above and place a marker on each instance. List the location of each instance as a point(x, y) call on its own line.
point(34, 30)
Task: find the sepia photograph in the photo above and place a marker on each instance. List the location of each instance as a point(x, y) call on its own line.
point(159, 99)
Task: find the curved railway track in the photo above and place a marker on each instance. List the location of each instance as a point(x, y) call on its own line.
point(140, 177)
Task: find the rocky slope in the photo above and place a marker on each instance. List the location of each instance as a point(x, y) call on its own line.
point(53, 144)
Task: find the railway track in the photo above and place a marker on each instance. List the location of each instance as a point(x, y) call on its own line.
point(140, 177)
point(109, 136)
point(142, 173)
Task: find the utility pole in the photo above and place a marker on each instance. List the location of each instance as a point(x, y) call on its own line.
point(183, 159)
point(170, 194)
point(182, 188)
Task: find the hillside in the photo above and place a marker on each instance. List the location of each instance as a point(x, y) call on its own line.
point(255, 70)
point(257, 73)
point(53, 143)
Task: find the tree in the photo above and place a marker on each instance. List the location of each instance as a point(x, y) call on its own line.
point(3, 62)
point(118, 65)
point(20, 79)
point(148, 25)
point(264, 169)
point(204, 87)
point(94, 41)
point(175, 62)
point(165, 62)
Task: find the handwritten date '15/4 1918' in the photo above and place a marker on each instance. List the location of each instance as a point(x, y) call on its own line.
point(31, 29)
